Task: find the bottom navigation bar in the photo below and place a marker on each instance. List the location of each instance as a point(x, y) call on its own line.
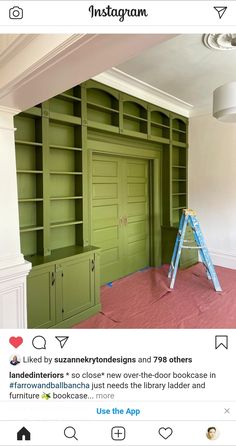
point(133, 433)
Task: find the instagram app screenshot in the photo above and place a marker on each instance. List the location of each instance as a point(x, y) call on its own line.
point(117, 223)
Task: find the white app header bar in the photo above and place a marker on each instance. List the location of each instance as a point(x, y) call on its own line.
point(119, 17)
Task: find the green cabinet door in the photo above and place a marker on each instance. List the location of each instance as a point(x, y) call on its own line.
point(41, 297)
point(120, 214)
point(74, 286)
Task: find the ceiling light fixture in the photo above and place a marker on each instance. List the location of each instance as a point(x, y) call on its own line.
point(224, 97)
point(220, 42)
point(224, 102)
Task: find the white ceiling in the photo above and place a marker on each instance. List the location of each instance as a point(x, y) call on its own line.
point(180, 66)
point(184, 68)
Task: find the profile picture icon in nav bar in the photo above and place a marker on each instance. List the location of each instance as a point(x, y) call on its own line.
point(16, 13)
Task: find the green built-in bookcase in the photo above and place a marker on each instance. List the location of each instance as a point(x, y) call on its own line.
point(63, 287)
point(53, 165)
point(50, 176)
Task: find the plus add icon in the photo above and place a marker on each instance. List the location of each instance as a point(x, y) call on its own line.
point(118, 433)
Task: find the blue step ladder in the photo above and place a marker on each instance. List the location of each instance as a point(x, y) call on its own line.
point(189, 217)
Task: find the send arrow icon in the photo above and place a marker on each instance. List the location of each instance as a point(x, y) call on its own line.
point(62, 340)
point(221, 10)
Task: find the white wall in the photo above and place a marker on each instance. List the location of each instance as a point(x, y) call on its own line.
point(212, 185)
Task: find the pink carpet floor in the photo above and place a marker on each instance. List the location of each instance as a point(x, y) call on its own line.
point(144, 300)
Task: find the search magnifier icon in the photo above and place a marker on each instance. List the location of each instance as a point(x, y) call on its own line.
point(70, 432)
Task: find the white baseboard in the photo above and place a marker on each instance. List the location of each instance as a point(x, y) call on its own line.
point(219, 258)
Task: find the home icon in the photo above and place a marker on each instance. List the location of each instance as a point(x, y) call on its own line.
point(23, 434)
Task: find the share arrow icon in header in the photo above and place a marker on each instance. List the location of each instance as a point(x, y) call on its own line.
point(62, 340)
point(221, 10)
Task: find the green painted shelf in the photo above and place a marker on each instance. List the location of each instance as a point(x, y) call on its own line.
point(61, 117)
point(29, 143)
point(29, 200)
point(67, 198)
point(101, 107)
point(66, 223)
point(69, 97)
point(135, 118)
point(30, 171)
point(79, 149)
point(31, 228)
point(65, 173)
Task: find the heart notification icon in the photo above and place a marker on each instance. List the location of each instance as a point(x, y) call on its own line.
point(165, 432)
point(16, 341)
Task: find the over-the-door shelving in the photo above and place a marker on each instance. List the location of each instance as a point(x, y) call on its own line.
point(135, 118)
point(159, 125)
point(102, 108)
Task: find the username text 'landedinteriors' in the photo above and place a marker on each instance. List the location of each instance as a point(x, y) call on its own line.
point(108, 11)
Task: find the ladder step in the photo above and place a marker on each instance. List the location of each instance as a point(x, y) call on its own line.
point(193, 247)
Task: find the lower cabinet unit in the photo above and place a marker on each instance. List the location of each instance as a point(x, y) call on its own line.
point(63, 288)
point(41, 297)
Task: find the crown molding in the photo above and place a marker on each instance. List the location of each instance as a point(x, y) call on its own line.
point(118, 79)
point(201, 111)
point(61, 50)
point(8, 110)
point(17, 45)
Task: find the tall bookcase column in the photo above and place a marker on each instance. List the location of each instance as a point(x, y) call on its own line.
point(46, 180)
point(65, 170)
point(51, 161)
point(175, 187)
point(85, 163)
point(178, 164)
point(13, 267)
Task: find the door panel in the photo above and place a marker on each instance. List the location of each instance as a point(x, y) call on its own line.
point(120, 215)
point(105, 215)
point(137, 207)
point(41, 298)
point(75, 286)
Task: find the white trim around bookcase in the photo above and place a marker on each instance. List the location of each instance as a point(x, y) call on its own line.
point(128, 84)
point(13, 302)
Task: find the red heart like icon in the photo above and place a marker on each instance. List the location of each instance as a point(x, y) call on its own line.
point(16, 342)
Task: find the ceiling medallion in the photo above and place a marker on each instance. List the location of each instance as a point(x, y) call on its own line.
point(220, 41)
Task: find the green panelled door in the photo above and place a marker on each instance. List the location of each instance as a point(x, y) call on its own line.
point(136, 200)
point(106, 215)
point(120, 214)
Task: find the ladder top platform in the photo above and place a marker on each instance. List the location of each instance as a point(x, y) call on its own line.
point(189, 212)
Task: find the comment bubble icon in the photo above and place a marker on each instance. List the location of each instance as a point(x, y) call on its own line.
point(39, 342)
